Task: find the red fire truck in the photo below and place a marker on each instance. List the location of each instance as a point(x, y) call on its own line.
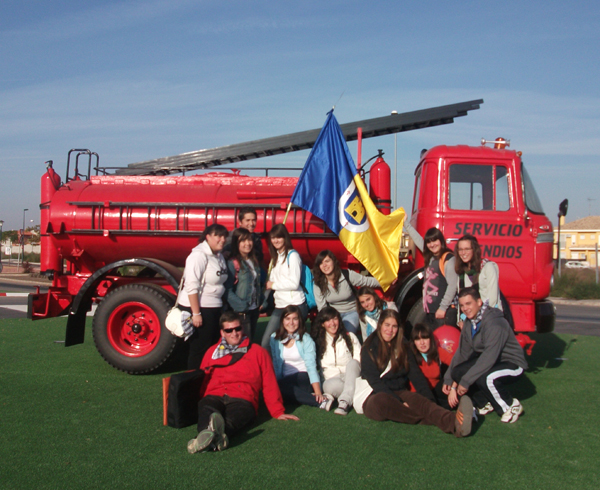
point(118, 240)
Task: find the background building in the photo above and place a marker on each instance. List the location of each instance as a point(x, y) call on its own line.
point(578, 239)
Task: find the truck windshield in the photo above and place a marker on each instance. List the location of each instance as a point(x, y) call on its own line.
point(532, 201)
point(478, 187)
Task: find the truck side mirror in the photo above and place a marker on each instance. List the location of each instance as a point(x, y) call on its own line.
point(563, 208)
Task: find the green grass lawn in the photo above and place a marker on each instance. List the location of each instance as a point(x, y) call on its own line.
point(69, 420)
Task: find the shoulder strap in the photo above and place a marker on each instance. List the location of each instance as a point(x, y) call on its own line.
point(236, 266)
point(179, 290)
point(290, 253)
point(442, 262)
point(346, 274)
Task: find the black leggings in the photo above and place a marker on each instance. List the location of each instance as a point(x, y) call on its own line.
point(203, 336)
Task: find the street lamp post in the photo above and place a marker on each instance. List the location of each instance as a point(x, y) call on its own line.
point(395, 183)
point(1, 224)
point(562, 211)
point(22, 248)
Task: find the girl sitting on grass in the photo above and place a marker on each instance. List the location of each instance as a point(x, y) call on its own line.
point(387, 364)
point(338, 352)
point(428, 359)
point(295, 361)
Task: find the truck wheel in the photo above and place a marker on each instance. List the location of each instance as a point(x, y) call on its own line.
point(129, 329)
point(415, 315)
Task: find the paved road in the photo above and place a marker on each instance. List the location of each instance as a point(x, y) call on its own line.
point(11, 307)
point(575, 319)
point(15, 306)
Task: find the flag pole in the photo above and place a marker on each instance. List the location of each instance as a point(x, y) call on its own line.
point(359, 147)
point(287, 212)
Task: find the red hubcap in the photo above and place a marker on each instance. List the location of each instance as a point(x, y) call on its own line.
point(133, 329)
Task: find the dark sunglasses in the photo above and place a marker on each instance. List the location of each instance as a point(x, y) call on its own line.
point(234, 329)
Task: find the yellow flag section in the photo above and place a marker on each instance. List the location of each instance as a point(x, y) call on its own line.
point(375, 243)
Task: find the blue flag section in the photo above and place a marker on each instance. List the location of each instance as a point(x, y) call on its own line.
point(327, 174)
point(331, 189)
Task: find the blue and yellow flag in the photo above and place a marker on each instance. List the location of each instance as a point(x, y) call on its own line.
point(331, 189)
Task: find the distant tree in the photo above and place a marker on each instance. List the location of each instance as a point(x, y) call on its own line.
point(12, 235)
point(34, 238)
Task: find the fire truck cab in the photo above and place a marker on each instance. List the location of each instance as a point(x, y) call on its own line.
point(486, 192)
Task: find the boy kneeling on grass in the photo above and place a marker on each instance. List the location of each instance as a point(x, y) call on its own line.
point(488, 357)
point(236, 373)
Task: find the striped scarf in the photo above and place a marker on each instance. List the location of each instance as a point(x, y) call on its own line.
point(475, 321)
point(224, 349)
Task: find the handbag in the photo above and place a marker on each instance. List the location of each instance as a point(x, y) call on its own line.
point(179, 322)
point(175, 321)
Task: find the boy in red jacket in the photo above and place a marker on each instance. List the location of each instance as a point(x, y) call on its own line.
point(236, 373)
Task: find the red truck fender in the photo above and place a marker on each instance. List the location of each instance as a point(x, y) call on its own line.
point(75, 333)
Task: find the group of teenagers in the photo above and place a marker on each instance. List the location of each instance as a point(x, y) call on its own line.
point(357, 353)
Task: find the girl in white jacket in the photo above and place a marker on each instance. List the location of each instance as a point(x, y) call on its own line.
point(338, 353)
point(285, 273)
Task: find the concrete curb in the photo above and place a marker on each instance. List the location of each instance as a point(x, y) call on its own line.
point(575, 302)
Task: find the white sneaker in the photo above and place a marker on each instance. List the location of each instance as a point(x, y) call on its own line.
point(512, 414)
point(327, 402)
point(342, 409)
point(217, 425)
point(202, 442)
point(485, 410)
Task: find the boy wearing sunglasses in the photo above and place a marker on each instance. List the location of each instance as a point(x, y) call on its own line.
point(236, 372)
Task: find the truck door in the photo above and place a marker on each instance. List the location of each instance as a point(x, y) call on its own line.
point(480, 201)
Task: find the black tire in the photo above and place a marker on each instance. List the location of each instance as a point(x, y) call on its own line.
point(129, 328)
point(415, 315)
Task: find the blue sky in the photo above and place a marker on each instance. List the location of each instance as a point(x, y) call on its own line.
point(137, 80)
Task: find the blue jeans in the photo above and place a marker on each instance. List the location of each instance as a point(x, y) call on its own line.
point(351, 321)
point(296, 388)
